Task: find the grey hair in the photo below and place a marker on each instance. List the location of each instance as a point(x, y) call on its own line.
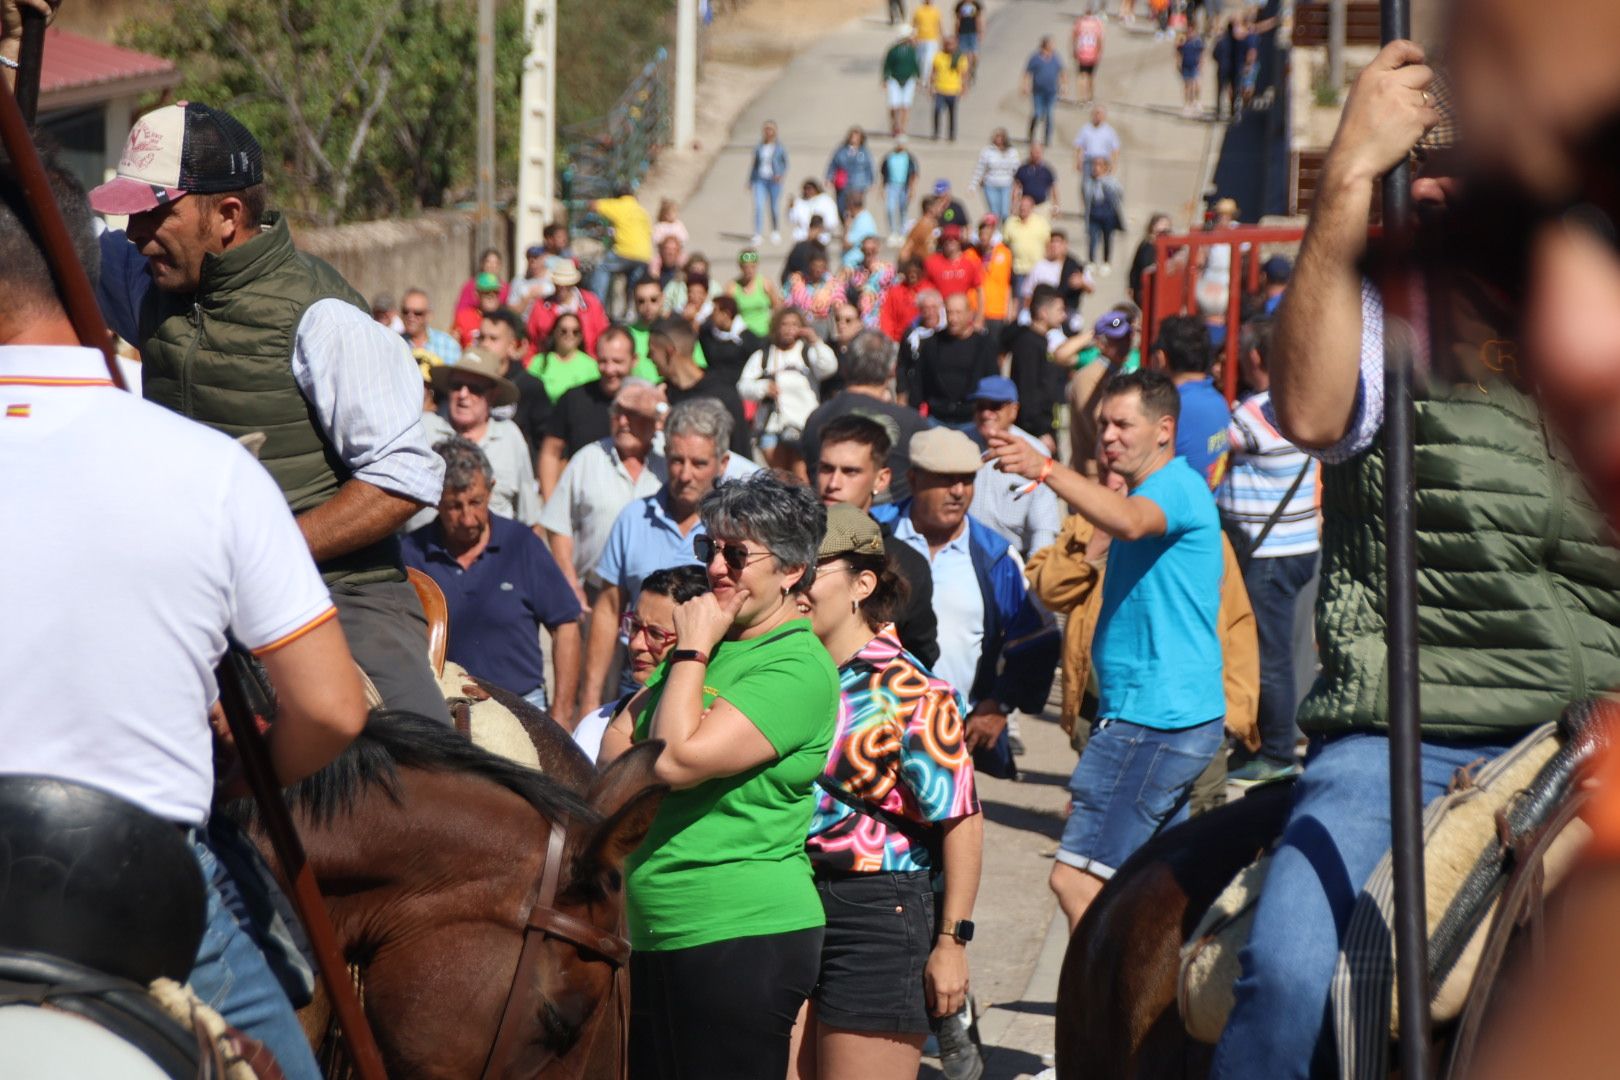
point(787, 518)
point(930, 295)
point(464, 462)
point(869, 359)
point(702, 416)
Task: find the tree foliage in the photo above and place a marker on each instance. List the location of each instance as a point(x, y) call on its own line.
point(368, 108)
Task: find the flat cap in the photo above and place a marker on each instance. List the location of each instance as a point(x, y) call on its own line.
point(944, 450)
point(850, 531)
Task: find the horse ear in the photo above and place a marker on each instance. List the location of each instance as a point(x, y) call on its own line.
point(627, 795)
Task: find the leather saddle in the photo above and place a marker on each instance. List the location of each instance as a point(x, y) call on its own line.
point(92, 878)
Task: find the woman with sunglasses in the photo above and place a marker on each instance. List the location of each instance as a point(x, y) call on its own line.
point(724, 918)
point(897, 811)
point(649, 631)
point(757, 298)
point(564, 363)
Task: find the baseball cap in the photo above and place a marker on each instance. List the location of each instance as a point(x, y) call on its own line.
point(990, 220)
point(1277, 269)
point(1113, 325)
point(951, 232)
point(944, 450)
point(995, 388)
point(850, 531)
point(487, 282)
point(941, 186)
point(177, 150)
point(534, 251)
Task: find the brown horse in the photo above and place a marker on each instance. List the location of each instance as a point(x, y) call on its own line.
point(1116, 1005)
point(429, 853)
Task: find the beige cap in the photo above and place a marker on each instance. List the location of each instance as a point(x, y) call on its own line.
point(850, 531)
point(944, 450)
point(477, 360)
point(565, 275)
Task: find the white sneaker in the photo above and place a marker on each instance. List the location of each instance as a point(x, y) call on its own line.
point(776, 237)
point(1105, 269)
point(756, 240)
point(894, 239)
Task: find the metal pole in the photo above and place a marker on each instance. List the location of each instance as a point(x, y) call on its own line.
point(1405, 735)
point(1335, 44)
point(685, 126)
point(486, 124)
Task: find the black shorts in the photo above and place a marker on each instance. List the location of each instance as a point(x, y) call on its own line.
point(1087, 69)
point(880, 929)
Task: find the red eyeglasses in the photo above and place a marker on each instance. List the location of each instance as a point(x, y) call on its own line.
point(657, 636)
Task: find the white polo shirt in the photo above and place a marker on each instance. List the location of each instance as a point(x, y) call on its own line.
point(958, 605)
point(132, 539)
point(593, 490)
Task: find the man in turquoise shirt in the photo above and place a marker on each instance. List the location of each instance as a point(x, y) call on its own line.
point(1156, 653)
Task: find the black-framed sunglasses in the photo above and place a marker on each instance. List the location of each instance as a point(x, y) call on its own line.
point(736, 556)
point(471, 385)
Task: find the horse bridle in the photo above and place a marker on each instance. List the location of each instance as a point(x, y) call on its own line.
point(545, 921)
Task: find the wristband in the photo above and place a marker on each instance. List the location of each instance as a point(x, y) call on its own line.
point(8, 62)
point(1046, 470)
point(688, 654)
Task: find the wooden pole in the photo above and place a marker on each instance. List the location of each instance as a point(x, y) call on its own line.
point(486, 127)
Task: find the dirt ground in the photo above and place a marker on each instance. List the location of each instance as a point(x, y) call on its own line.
point(744, 50)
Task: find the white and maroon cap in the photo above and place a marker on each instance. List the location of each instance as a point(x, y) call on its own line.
point(179, 150)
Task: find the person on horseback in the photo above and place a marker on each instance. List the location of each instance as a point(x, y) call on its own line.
point(135, 542)
point(239, 330)
point(1156, 650)
point(1518, 593)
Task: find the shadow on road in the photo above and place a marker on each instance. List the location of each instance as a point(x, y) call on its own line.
point(1020, 817)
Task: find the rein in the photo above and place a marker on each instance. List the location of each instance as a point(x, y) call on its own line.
point(545, 921)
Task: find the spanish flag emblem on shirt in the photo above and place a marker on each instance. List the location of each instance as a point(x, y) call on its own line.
point(19, 412)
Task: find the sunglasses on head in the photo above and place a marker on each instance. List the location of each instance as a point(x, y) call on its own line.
point(736, 556)
point(748, 257)
point(657, 636)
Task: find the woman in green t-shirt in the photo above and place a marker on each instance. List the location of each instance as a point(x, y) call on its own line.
point(724, 919)
point(562, 363)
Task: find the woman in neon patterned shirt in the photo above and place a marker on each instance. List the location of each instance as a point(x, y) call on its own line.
point(891, 955)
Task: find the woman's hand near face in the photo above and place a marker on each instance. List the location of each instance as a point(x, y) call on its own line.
point(702, 622)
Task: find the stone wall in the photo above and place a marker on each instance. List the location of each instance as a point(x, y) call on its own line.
point(434, 251)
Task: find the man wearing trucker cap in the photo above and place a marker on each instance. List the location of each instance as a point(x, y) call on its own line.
point(241, 331)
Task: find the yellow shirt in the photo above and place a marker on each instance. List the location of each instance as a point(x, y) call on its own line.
point(1027, 240)
point(948, 74)
point(632, 228)
point(925, 20)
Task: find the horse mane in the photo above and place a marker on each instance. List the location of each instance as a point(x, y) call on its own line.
point(395, 739)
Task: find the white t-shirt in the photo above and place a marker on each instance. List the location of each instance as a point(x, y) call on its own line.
point(588, 733)
point(133, 539)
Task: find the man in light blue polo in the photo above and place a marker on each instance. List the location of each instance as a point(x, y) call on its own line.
point(654, 532)
point(1156, 653)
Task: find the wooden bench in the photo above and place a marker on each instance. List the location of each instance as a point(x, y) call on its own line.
point(1360, 23)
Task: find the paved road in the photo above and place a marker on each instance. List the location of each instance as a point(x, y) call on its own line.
point(1165, 166)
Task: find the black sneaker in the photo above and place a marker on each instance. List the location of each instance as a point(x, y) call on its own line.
point(959, 1045)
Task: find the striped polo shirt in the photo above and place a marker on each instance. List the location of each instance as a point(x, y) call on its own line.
point(1261, 469)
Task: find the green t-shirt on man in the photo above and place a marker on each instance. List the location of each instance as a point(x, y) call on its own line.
point(900, 63)
point(725, 859)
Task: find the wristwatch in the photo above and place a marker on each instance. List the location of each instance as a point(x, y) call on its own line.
point(688, 654)
point(960, 929)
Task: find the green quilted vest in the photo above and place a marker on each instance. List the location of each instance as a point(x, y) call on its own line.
point(223, 357)
point(1518, 584)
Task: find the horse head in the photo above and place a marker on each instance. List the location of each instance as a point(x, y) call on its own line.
point(572, 983)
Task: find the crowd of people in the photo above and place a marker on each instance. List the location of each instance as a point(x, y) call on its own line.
point(824, 537)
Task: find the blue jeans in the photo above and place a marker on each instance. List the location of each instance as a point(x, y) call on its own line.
point(232, 977)
point(767, 194)
point(1042, 104)
point(894, 201)
point(1337, 831)
point(945, 103)
point(537, 697)
point(1099, 235)
point(1130, 782)
point(1274, 586)
point(998, 200)
point(602, 277)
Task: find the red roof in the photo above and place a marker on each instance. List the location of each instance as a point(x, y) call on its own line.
point(79, 71)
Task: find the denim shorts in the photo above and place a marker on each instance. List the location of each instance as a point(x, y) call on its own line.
point(880, 930)
point(1131, 780)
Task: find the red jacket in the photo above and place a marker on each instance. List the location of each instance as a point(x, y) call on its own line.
point(899, 309)
point(593, 319)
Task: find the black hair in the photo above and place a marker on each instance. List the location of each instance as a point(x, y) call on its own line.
point(856, 428)
point(1042, 294)
point(25, 275)
point(675, 330)
point(891, 593)
point(679, 583)
point(1159, 394)
point(512, 319)
point(1185, 344)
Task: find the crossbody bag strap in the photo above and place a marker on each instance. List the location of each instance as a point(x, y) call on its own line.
point(922, 835)
point(1276, 515)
